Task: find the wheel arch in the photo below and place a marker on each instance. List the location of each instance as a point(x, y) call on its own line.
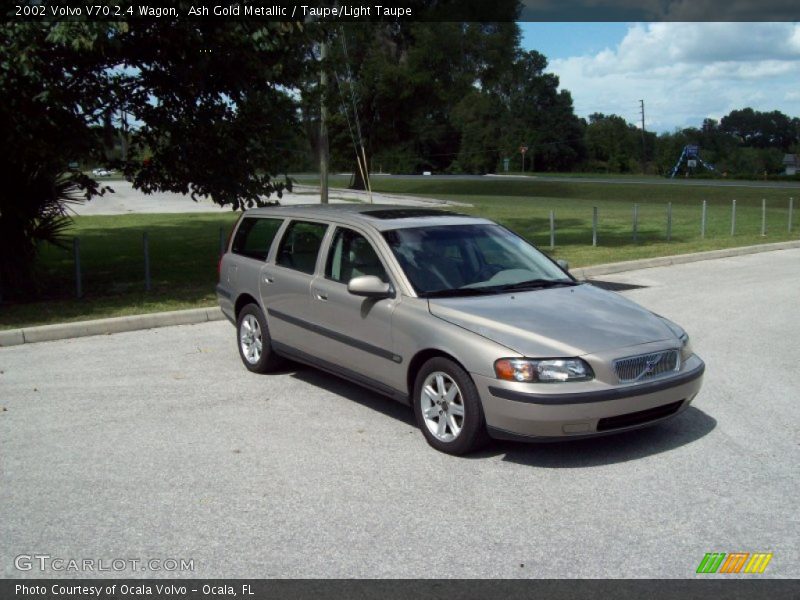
point(419, 359)
point(241, 301)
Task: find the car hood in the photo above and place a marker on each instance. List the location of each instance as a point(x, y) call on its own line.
point(561, 321)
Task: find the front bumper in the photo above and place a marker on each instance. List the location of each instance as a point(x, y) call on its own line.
point(557, 412)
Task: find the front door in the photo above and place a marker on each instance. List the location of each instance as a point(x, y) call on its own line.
point(356, 332)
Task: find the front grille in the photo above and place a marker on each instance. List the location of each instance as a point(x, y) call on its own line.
point(637, 418)
point(646, 366)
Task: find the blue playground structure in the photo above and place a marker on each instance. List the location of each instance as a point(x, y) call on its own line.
point(690, 154)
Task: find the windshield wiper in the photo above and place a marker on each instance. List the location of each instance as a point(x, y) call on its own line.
point(480, 291)
point(498, 289)
point(536, 283)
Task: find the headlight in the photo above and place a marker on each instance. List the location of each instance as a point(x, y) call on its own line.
point(686, 347)
point(551, 370)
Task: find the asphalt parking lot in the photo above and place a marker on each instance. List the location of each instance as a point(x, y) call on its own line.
point(159, 445)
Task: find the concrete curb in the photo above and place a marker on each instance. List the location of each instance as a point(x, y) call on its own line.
point(60, 331)
point(679, 259)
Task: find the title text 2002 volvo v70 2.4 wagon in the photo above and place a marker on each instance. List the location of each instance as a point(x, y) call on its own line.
point(480, 332)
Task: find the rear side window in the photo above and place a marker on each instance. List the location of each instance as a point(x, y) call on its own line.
point(254, 237)
point(300, 246)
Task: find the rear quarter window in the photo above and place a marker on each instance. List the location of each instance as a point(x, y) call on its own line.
point(254, 237)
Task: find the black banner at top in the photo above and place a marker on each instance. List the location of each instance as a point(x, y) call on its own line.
point(407, 10)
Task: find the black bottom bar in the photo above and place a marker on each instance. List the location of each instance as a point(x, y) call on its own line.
point(733, 588)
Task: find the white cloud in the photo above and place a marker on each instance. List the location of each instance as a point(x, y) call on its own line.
point(688, 71)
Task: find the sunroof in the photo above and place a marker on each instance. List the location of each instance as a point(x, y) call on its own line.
point(409, 213)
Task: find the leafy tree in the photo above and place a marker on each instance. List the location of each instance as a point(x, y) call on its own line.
point(407, 80)
point(211, 104)
point(48, 93)
point(614, 142)
point(758, 129)
point(540, 115)
point(476, 117)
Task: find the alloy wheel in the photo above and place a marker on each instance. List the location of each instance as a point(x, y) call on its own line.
point(250, 339)
point(442, 406)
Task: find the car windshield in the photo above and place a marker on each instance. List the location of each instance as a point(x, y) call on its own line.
point(455, 260)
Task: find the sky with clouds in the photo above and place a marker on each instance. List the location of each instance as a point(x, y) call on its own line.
point(684, 72)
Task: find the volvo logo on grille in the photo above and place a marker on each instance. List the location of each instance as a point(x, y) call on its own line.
point(646, 366)
point(650, 365)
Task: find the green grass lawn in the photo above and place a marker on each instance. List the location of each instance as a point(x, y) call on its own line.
point(524, 205)
point(184, 248)
point(184, 252)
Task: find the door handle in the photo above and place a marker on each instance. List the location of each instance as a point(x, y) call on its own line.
point(268, 279)
point(321, 295)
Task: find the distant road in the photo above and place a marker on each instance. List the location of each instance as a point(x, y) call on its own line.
point(614, 180)
point(127, 200)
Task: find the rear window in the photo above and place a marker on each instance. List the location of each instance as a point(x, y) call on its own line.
point(254, 237)
point(300, 246)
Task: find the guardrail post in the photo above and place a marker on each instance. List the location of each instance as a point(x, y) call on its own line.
point(146, 245)
point(669, 221)
point(791, 208)
point(76, 256)
point(594, 226)
point(763, 217)
point(733, 217)
point(552, 229)
point(635, 222)
point(703, 220)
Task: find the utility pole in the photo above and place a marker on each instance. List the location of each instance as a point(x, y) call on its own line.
point(644, 145)
point(323, 124)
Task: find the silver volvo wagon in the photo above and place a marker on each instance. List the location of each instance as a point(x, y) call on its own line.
point(480, 332)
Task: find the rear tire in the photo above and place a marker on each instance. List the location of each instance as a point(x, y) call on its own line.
point(254, 342)
point(448, 408)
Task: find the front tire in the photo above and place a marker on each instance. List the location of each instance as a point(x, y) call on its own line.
point(448, 408)
point(254, 342)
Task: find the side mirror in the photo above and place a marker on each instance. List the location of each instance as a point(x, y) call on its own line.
point(563, 264)
point(370, 286)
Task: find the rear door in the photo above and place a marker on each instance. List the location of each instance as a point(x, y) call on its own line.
point(285, 284)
